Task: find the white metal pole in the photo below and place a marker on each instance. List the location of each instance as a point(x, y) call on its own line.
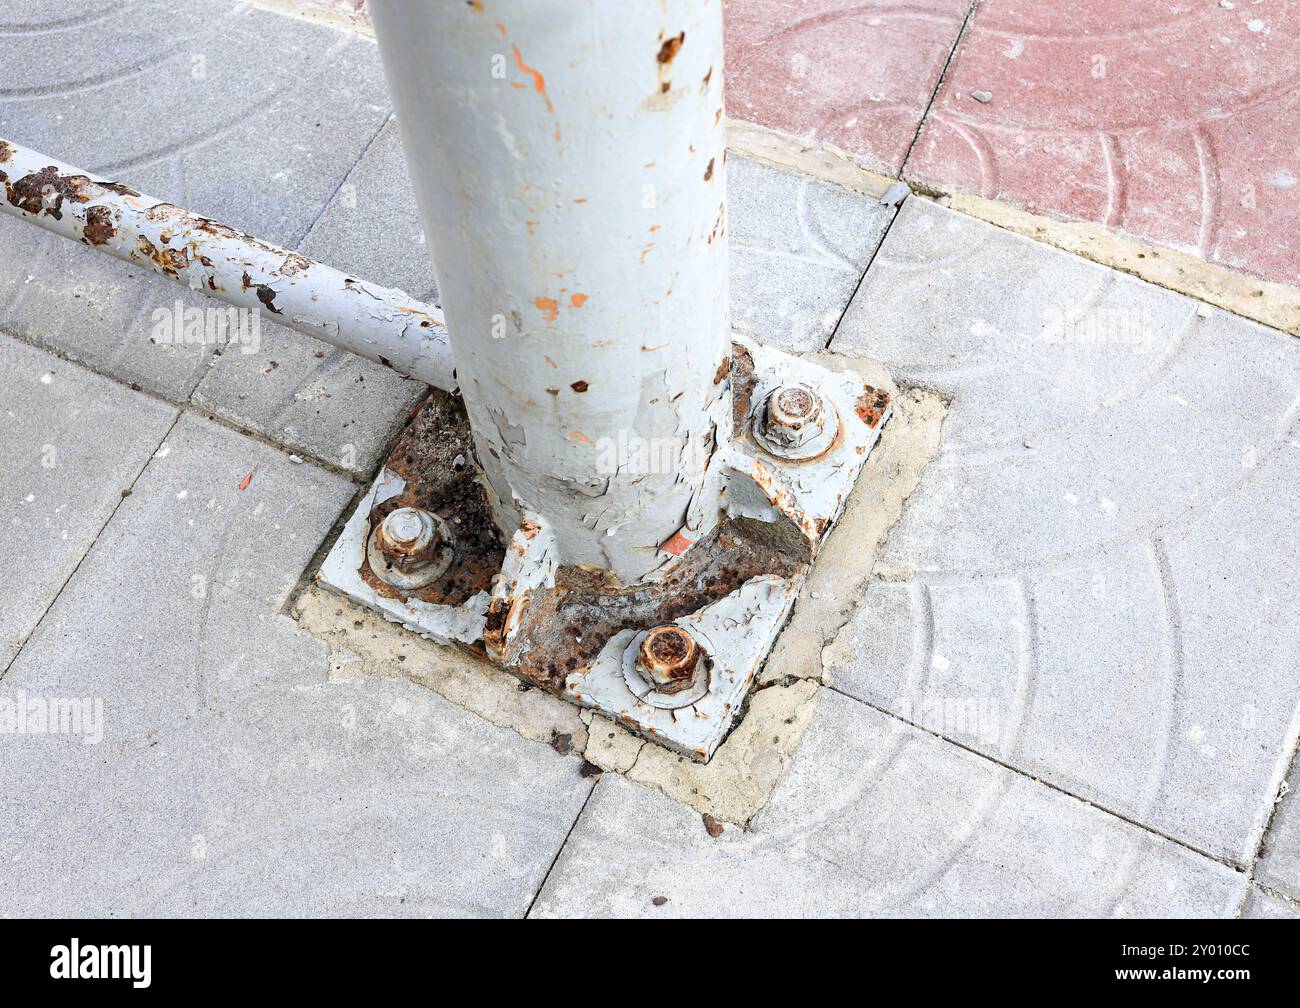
point(379, 323)
point(568, 158)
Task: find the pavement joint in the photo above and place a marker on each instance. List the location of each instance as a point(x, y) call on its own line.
point(325, 204)
point(934, 94)
point(560, 849)
point(91, 545)
point(1039, 780)
point(1280, 793)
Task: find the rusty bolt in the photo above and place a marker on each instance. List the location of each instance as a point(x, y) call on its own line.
point(668, 659)
point(407, 537)
point(410, 548)
point(795, 415)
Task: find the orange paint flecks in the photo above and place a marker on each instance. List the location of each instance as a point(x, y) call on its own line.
point(677, 545)
point(549, 361)
point(580, 437)
point(248, 479)
point(517, 86)
point(578, 300)
point(502, 29)
point(580, 199)
point(655, 227)
point(548, 306)
point(531, 225)
point(646, 251)
point(539, 82)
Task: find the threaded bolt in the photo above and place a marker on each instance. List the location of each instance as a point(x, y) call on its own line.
point(407, 537)
point(794, 416)
point(668, 659)
point(410, 548)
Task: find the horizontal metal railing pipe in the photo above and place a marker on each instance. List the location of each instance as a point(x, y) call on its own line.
point(379, 323)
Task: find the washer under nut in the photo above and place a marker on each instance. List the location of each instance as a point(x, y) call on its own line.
point(795, 416)
point(410, 548)
point(668, 659)
point(796, 423)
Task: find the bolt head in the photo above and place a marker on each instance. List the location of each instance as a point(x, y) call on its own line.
point(794, 416)
point(668, 658)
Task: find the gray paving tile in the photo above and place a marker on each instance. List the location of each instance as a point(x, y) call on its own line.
point(880, 819)
point(71, 443)
point(798, 248)
point(1090, 581)
point(313, 398)
point(1262, 905)
point(240, 114)
point(271, 790)
point(234, 112)
point(1279, 860)
point(187, 538)
point(303, 393)
point(230, 772)
point(95, 310)
point(372, 224)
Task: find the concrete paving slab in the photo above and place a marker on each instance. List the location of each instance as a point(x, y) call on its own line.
point(185, 539)
point(798, 249)
point(1279, 860)
point(302, 393)
point(1090, 581)
point(97, 311)
point(372, 224)
point(72, 443)
point(315, 399)
point(797, 66)
point(236, 113)
point(272, 790)
point(1261, 905)
point(1171, 123)
point(880, 819)
point(221, 768)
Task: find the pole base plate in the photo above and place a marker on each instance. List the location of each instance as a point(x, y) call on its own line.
point(731, 582)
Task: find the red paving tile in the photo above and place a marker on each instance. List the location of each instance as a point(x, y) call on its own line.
point(1178, 122)
point(855, 75)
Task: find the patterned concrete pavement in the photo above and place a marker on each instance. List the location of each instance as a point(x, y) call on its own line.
point(1070, 689)
point(1172, 124)
point(1175, 123)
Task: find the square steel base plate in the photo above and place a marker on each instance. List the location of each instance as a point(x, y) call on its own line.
point(571, 632)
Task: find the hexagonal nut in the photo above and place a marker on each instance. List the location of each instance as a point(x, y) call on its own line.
point(409, 537)
point(794, 415)
point(668, 659)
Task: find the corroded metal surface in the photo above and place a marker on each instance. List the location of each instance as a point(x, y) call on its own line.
point(430, 469)
point(577, 631)
point(378, 323)
point(569, 162)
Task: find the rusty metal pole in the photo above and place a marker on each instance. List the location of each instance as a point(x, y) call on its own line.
point(568, 158)
point(379, 323)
